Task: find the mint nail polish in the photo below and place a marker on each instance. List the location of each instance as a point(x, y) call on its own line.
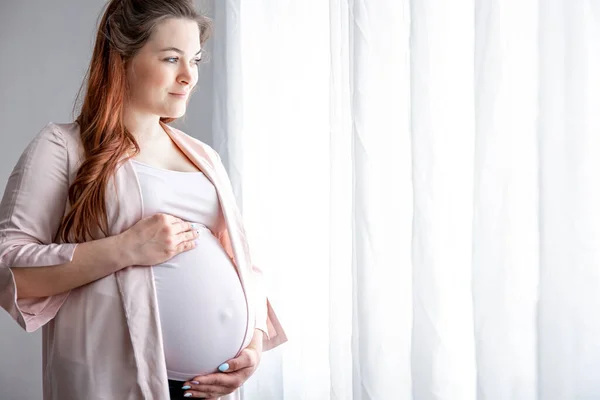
point(186, 387)
point(223, 367)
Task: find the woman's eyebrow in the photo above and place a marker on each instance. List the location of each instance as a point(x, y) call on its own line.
point(175, 49)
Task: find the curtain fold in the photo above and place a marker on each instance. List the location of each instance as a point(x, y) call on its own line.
point(505, 259)
point(419, 183)
point(569, 144)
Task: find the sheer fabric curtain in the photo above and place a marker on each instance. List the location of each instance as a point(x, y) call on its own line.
point(419, 181)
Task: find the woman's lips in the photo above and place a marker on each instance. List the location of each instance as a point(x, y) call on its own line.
point(178, 95)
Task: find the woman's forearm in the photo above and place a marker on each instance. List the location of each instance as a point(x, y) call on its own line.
point(91, 261)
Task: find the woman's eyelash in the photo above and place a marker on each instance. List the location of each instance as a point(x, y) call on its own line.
point(196, 60)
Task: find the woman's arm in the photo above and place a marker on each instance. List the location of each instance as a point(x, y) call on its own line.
point(91, 261)
point(32, 207)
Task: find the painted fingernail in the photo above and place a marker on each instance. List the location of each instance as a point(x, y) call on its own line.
point(223, 367)
point(187, 395)
point(195, 383)
point(194, 225)
point(186, 387)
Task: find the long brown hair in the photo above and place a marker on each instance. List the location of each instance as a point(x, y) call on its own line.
point(125, 27)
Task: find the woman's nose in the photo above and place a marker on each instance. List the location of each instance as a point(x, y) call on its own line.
point(186, 76)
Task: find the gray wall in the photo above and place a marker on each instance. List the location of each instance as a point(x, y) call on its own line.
point(45, 48)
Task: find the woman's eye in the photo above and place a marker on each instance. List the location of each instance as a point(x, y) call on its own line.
point(173, 60)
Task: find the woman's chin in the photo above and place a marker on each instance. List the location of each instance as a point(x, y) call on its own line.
point(174, 113)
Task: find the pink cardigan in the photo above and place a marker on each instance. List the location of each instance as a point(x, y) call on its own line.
point(103, 340)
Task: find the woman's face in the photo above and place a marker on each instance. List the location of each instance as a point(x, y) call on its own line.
point(164, 71)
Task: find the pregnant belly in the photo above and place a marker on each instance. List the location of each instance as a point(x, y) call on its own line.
point(203, 310)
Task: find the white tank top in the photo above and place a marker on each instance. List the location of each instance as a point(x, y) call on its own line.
point(203, 309)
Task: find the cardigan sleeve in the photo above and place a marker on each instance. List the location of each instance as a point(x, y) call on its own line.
point(31, 211)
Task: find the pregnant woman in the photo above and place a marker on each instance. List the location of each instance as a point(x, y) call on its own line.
point(120, 235)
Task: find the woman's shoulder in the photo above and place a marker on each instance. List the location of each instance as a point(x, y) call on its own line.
point(65, 132)
point(60, 134)
point(69, 130)
point(68, 135)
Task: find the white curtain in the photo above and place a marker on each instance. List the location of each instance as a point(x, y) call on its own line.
point(420, 181)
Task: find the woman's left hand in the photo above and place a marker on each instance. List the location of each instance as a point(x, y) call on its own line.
point(234, 373)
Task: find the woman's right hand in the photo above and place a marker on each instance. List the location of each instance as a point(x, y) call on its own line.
point(156, 239)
